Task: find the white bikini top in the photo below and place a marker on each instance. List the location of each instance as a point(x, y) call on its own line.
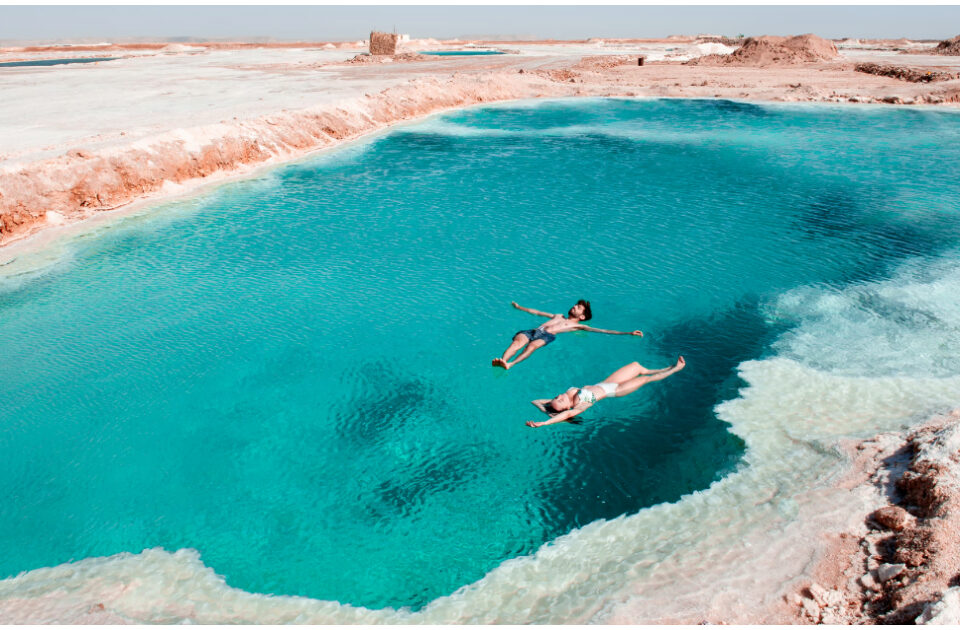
point(587, 396)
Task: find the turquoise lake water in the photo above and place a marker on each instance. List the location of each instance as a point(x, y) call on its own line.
point(461, 53)
point(292, 374)
point(54, 62)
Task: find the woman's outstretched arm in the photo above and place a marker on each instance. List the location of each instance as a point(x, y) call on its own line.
point(541, 404)
point(564, 416)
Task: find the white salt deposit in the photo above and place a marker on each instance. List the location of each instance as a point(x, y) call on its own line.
point(945, 612)
point(714, 48)
point(109, 101)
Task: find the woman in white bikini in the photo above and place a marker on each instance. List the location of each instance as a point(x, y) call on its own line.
point(626, 380)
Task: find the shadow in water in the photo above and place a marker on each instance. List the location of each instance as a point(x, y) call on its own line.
point(664, 441)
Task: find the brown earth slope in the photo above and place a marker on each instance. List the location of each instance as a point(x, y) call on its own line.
point(948, 47)
point(769, 50)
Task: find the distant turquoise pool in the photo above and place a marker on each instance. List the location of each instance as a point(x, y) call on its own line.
point(292, 374)
point(54, 62)
point(461, 53)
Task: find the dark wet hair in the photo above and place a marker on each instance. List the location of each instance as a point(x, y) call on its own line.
point(587, 313)
point(551, 411)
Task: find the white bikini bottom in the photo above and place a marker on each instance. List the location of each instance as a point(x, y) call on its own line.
point(609, 388)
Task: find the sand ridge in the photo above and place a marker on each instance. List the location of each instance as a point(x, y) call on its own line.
point(769, 50)
point(81, 182)
point(948, 47)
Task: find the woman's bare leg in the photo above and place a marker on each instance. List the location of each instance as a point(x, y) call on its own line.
point(632, 385)
point(519, 340)
point(632, 370)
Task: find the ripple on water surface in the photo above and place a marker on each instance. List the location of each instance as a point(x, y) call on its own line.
point(293, 375)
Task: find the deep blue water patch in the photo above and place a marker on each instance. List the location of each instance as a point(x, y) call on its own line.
point(54, 62)
point(292, 374)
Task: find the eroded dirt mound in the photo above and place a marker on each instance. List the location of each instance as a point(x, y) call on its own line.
point(603, 62)
point(726, 41)
point(769, 50)
point(948, 47)
point(914, 75)
point(364, 58)
point(598, 63)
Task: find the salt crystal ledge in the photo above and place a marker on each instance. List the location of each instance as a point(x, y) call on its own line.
point(945, 611)
point(913, 570)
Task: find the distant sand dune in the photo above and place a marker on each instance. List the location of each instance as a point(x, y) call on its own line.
point(769, 50)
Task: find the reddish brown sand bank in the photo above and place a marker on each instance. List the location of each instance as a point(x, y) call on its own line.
point(83, 182)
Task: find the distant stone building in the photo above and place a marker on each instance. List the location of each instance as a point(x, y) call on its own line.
point(386, 43)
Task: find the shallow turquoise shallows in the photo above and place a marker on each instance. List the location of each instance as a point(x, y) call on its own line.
point(461, 53)
point(292, 374)
point(54, 62)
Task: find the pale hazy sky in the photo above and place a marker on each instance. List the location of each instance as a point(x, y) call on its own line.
point(63, 23)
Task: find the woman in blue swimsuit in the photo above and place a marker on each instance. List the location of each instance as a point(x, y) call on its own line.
point(624, 381)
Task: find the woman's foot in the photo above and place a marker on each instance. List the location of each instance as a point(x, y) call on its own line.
point(498, 362)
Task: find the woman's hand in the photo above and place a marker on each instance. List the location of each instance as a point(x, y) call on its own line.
point(531, 423)
point(637, 333)
point(514, 305)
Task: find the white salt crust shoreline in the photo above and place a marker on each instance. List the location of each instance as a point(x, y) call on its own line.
point(599, 574)
point(774, 559)
point(60, 230)
point(900, 565)
point(84, 183)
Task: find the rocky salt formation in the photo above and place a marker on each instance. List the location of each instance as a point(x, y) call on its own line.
point(905, 568)
point(769, 50)
point(906, 74)
point(385, 58)
point(948, 47)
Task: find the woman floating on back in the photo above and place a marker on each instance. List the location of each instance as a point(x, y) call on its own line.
point(624, 381)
